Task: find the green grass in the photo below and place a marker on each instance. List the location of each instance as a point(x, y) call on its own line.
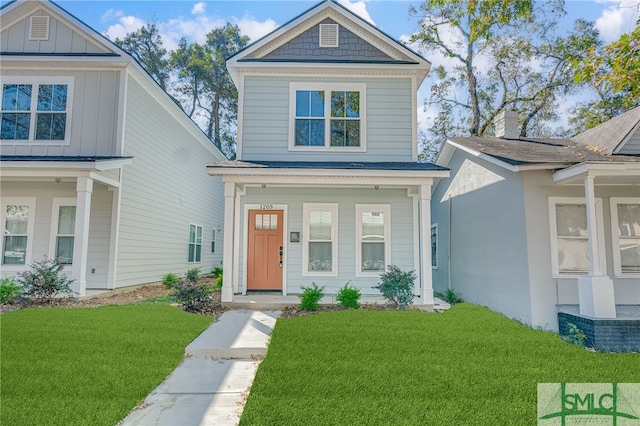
point(87, 366)
point(464, 367)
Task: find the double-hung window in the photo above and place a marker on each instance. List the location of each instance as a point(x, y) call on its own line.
point(625, 224)
point(35, 109)
point(569, 236)
point(195, 244)
point(63, 230)
point(327, 117)
point(319, 250)
point(373, 248)
point(17, 221)
point(434, 246)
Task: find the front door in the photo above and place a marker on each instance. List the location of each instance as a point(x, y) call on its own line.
point(264, 257)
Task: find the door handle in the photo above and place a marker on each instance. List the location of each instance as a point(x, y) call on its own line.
point(281, 252)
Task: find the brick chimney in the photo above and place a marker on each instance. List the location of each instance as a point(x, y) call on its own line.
point(506, 125)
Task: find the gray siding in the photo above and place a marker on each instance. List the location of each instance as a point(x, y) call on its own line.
point(93, 128)
point(632, 147)
point(307, 46)
point(62, 38)
point(402, 232)
point(164, 191)
point(488, 264)
point(265, 126)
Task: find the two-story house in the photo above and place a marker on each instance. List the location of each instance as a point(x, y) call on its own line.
point(99, 167)
point(326, 187)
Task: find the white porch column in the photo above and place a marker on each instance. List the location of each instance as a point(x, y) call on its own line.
point(595, 291)
point(84, 188)
point(426, 290)
point(229, 217)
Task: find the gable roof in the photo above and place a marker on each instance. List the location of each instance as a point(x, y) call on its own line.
point(611, 135)
point(384, 52)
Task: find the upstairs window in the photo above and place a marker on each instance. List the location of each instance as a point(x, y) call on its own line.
point(327, 117)
point(35, 111)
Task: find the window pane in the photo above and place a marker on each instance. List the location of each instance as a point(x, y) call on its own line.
point(320, 225)
point(50, 126)
point(17, 220)
point(15, 126)
point(192, 252)
point(52, 97)
point(16, 97)
point(629, 220)
point(199, 234)
point(571, 220)
point(274, 222)
point(320, 256)
point(373, 226)
point(345, 133)
point(309, 103)
point(67, 220)
point(198, 253)
point(434, 246)
point(573, 255)
point(258, 222)
point(192, 233)
point(345, 104)
point(630, 254)
point(64, 250)
point(15, 250)
point(372, 256)
point(309, 133)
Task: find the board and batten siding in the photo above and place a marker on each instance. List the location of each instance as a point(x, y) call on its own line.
point(93, 129)
point(265, 123)
point(402, 232)
point(62, 38)
point(164, 190)
point(99, 232)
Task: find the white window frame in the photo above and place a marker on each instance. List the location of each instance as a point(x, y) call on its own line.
point(195, 260)
point(36, 82)
point(307, 208)
point(328, 87)
point(553, 230)
point(386, 210)
point(434, 226)
point(18, 201)
point(615, 237)
point(55, 217)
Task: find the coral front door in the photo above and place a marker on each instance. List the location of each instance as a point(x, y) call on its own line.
point(264, 257)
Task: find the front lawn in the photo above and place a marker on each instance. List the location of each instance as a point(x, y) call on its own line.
point(465, 366)
point(88, 366)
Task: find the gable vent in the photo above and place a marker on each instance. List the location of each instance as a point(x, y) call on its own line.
point(328, 35)
point(39, 28)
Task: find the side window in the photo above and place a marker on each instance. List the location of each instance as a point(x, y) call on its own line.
point(195, 244)
point(625, 224)
point(17, 221)
point(434, 246)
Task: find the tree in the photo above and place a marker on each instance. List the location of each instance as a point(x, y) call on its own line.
point(145, 45)
point(505, 56)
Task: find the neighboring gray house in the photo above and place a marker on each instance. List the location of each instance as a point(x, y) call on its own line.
point(530, 227)
point(326, 187)
point(99, 167)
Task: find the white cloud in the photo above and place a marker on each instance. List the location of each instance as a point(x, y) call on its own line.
point(198, 8)
point(255, 29)
point(359, 8)
point(617, 19)
point(125, 25)
point(111, 14)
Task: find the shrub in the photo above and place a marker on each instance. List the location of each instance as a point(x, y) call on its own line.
point(217, 271)
point(310, 297)
point(348, 297)
point(397, 286)
point(192, 296)
point(193, 274)
point(9, 290)
point(451, 297)
point(574, 335)
point(170, 280)
point(44, 281)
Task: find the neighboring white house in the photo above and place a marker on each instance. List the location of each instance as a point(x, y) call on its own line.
point(531, 227)
point(99, 167)
point(326, 187)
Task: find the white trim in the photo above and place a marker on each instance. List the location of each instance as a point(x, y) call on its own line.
point(240, 192)
point(370, 177)
point(328, 88)
point(55, 216)
point(595, 169)
point(553, 201)
point(36, 82)
point(385, 209)
point(114, 237)
point(196, 244)
point(46, 28)
point(240, 122)
point(414, 119)
point(30, 202)
point(245, 249)
point(122, 112)
point(44, 168)
point(306, 209)
point(329, 35)
point(615, 235)
point(434, 225)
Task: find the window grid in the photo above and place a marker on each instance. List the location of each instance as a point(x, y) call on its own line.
point(195, 244)
point(320, 239)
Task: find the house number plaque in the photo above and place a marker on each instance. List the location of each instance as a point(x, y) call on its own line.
point(266, 206)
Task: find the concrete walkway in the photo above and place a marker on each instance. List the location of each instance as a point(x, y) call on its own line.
point(213, 381)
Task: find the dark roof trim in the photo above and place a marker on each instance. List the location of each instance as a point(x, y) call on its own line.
point(331, 61)
point(74, 54)
point(60, 158)
point(342, 165)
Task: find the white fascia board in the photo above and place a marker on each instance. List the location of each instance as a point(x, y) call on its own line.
point(485, 157)
point(88, 62)
point(596, 169)
point(9, 167)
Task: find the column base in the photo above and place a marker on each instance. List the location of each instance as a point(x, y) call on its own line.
point(227, 294)
point(595, 295)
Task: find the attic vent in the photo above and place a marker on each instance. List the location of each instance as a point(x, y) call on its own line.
point(328, 35)
point(39, 28)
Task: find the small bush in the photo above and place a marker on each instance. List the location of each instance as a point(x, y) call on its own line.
point(348, 297)
point(44, 281)
point(217, 271)
point(193, 274)
point(192, 296)
point(9, 290)
point(397, 286)
point(574, 335)
point(170, 280)
point(451, 297)
point(310, 297)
